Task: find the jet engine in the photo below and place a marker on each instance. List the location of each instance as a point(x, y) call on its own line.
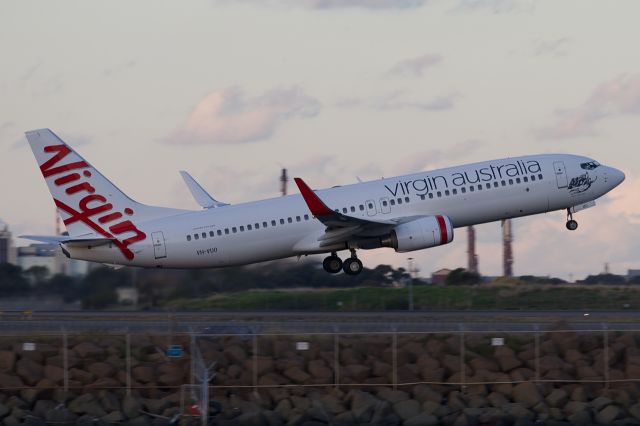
point(419, 234)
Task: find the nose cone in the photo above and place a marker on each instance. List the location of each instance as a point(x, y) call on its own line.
point(615, 176)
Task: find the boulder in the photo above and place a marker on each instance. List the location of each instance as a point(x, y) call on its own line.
point(171, 374)
point(296, 374)
point(407, 409)
point(527, 394)
point(101, 369)
point(131, 407)
point(634, 410)
point(236, 354)
point(600, 403)
point(424, 393)
point(580, 418)
point(109, 401)
point(143, 373)
point(7, 360)
point(86, 404)
point(573, 407)
point(392, 396)
point(557, 398)
point(88, 350)
point(9, 381)
point(53, 373)
point(362, 405)
point(608, 414)
point(423, 419)
point(81, 376)
point(508, 363)
point(332, 404)
point(320, 371)
point(113, 417)
point(357, 372)
point(497, 399)
point(29, 370)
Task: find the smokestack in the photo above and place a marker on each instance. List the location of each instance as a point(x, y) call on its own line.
point(507, 251)
point(472, 257)
point(283, 182)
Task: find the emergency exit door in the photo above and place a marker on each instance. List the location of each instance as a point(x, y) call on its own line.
point(561, 174)
point(159, 249)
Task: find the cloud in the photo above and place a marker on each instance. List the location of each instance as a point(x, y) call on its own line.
point(228, 116)
point(398, 100)
point(495, 6)
point(415, 67)
point(334, 4)
point(434, 158)
point(615, 98)
point(555, 48)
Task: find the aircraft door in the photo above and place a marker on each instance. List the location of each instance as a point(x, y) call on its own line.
point(371, 208)
point(159, 248)
point(561, 174)
point(385, 207)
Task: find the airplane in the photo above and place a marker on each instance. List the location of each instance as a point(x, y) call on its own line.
point(411, 212)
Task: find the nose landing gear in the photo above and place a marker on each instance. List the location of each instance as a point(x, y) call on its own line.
point(572, 225)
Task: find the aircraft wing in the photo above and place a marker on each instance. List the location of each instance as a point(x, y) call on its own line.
point(342, 227)
point(201, 196)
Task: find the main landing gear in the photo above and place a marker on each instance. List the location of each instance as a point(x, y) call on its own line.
point(351, 266)
point(572, 225)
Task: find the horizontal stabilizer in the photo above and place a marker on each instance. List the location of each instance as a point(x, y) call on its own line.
point(201, 196)
point(69, 241)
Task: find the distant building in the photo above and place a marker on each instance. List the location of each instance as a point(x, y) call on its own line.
point(632, 273)
point(7, 252)
point(440, 276)
point(127, 295)
point(38, 255)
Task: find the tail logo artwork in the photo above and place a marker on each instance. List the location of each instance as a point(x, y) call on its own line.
point(92, 205)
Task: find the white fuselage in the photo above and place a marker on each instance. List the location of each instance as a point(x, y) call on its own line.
point(283, 227)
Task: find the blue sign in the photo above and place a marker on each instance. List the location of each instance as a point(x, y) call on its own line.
point(174, 351)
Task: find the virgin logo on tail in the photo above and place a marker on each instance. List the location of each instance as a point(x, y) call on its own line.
point(91, 205)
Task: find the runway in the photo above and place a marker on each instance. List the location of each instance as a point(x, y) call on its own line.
point(233, 322)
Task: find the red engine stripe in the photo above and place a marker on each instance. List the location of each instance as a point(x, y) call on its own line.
point(444, 236)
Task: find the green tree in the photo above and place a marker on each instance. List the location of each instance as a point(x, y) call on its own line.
point(461, 276)
point(12, 281)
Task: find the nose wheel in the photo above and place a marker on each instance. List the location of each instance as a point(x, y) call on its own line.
point(572, 225)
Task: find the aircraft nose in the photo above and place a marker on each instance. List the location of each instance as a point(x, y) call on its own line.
point(616, 176)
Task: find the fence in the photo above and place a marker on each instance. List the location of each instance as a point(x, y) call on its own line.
point(184, 368)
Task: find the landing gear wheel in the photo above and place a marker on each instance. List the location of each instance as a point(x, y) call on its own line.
point(352, 266)
point(572, 225)
point(332, 264)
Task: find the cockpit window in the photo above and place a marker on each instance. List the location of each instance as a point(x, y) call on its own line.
point(590, 165)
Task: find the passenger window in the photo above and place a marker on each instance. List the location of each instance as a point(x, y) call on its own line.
point(540, 176)
point(226, 231)
point(306, 217)
point(219, 231)
point(249, 228)
point(211, 234)
point(446, 192)
point(488, 186)
point(241, 228)
point(533, 178)
point(256, 225)
point(234, 229)
point(406, 199)
point(188, 237)
point(439, 194)
point(204, 235)
point(455, 191)
point(289, 220)
point(510, 181)
point(480, 187)
point(495, 184)
point(399, 200)
point(273, 223)
point(264, 224)
point(517, 180)
point(361, 207)
point(298, 218)
point(431, 195)
point(504, 183)
point(353, 209)
point(422, 196)
point(463, 190)
point(472, 188)
point(370, 205)
point(384, 202)
point(344, 210)
point(196, 236)
point(281, 221)
point(392, 202)
point(525, 179)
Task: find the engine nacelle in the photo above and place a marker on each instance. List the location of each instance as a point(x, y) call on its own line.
point(419, 234)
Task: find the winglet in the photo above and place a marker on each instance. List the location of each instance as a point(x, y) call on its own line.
point(201, 196)
point(315, 204)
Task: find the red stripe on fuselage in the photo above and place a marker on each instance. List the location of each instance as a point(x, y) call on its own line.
point(444, 235)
